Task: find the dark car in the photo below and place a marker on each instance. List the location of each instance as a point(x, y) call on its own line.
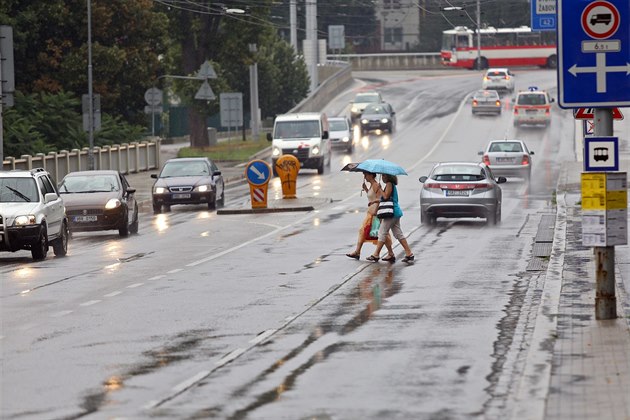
point(188, 181)
point(99, 200)
point(378, 117)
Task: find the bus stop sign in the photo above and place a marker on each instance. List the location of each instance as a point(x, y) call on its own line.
point(593, 53)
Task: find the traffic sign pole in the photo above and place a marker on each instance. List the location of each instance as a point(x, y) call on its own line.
point(605, 299)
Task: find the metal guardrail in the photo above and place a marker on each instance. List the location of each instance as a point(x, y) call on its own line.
point(126, 158)
point(391, 61)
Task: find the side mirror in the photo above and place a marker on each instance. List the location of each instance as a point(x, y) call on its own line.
point(501, 180)
point(269, 137)
point(552, 100)
point(480, 153)
point(50, 197)
point(325, 135)
point(154, 176)
point(216, 173)
point(422, 179)
point(131, 191)
point(531, 152)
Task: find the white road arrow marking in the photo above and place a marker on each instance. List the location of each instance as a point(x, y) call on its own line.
point(600, 70)
point(255, 170)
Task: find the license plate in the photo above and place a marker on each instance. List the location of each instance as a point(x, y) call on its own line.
point(457, 193)
point(83, 219)
point(504, 160)
point(181, 196)
point(531, 111)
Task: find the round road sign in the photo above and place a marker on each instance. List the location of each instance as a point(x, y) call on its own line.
point(258, 172)
point(600, 19)
point(153, 96)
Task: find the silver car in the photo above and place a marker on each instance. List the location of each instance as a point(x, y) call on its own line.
point(460, 189)
point(486, 101)
point(340, 133)
point(508, 158)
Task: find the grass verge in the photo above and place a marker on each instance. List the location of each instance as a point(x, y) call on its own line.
point(230, 150)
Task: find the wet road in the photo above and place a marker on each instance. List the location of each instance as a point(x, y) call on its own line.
point(263, 316)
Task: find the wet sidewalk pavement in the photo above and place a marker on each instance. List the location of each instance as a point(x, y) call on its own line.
point(577, 367)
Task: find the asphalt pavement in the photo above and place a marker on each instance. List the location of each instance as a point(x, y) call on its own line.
point(576, 367)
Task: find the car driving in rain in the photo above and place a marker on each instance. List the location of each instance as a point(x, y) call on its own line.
point(100, 200)
point(532, 106)
point(498, 79)
point(508, 158)
point(460, 189)
point(378, 117)
point(361, 100)
point(341, 133)
point(486, 102)
point(195, 180)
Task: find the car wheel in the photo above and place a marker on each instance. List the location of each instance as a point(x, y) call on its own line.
point(426, 219)
point(350, 148)
point(40, 248)
point(552, 61)
point(491, 218)
point(221, 201)
point(212, 204)
point(498, 217)
point(320, 168)
point(157, 208)
point(134, 225)
point(123, 230)
point(167, 208)
point(60, 245)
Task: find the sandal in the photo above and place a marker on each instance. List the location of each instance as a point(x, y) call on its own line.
point(353, 255)
point(390, 258)
point(372, 258)
point(409, 258)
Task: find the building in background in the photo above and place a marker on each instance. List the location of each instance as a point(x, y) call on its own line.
point(399, 21)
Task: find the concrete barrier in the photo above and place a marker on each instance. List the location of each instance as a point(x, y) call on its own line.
point(384, 62)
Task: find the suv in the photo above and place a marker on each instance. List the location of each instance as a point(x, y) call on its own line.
point(532, 107)
point(32, 214)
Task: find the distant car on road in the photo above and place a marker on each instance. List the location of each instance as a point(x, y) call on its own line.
point(32, 214)
point(188, 181)
point(100, 200)
point(498, 79)
point(508, 158)
point(340, 133)
point(532, 106)
point(486, 101)
point(460, 189)
point(378, 117)
point(361, 100)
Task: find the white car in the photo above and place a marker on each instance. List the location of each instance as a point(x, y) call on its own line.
point(498, 79)
point(532, 106)
point(340, 133)
point(32, 214)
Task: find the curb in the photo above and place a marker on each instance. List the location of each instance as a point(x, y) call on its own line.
point(265, 210)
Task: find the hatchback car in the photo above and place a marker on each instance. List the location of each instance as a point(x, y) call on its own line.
point(340, 133)
point(100, 200)
point(378, 117)
point(361, 100)
point(486, 101)
point(188, 181)
point(532, 106)
point(508, 158)
point(460, 189)
point(498, 79)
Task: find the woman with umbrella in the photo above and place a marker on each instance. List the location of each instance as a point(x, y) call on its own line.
point(374, 193)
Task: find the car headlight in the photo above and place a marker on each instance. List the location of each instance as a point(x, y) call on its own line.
point(354, 109)
point(202, 188)
point(25, 220)
point(315, 150)
point(345, 139)
point(112, 204)
point(276, 151)
point(159, 190)
point(364, 121)
point(384, 120)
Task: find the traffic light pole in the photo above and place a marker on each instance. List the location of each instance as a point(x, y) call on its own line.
point(605, 300)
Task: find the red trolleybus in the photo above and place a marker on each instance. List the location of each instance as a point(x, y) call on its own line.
point(503, 47)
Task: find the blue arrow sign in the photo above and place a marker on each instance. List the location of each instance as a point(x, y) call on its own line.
point(258, 172)
point(593, 53)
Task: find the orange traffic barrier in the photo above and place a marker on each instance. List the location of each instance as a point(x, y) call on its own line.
point(287, 168)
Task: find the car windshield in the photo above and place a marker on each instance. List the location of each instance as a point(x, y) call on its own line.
point(89, 184)
point(375, 109)
point(506, 146)
point(486, 94)
point(496, 73)
point(460, 173)
point(531, 99)
point(296, 129)
point(366, 98)
point(18, 190)
point(338, 125)
point(185, 168)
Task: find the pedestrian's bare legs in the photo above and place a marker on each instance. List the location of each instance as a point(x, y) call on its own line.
point(360, 241)
point(405, 246)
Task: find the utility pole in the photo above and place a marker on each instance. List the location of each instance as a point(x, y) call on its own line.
point(90, 92)
point(310, 43)
point(253, 94)
point(293, 24)
point(478, 35)
point(605, 300)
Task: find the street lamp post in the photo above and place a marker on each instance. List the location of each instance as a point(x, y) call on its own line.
point(90, 92)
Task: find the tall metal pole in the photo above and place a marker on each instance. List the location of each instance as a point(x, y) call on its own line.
point(293, 24)
point(605, 300)
point(253, 94)
point(1, 126)
point(478, 34)
point(90, 93)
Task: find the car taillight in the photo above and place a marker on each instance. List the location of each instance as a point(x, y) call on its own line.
point(506, 77)
point(547, 111)
point(525, 160)
point(481, 186)
point(486, 160)
point(498, 103)
point(515, 110)
point(474, 102)
point(432, 186)
point(486, 78)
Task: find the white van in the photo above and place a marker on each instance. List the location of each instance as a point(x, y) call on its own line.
point(303, 135)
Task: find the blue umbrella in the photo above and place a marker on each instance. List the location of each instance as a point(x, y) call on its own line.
point(381, 166)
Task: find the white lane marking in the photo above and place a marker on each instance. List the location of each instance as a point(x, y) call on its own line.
point(230, 356)
point(133, 286)
point(290, 318)
point(191, 381)
point(89, 303)
point(262, 336)
point(177, 270)
point(112, 294)
point(61, 313)
point(161, 276)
